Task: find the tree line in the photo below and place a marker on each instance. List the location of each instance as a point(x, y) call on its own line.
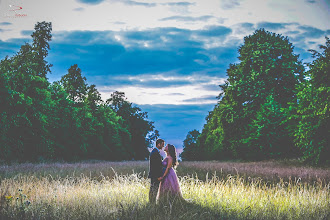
point(66, 119)
point(270, 106)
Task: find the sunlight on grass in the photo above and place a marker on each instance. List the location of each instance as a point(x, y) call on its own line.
point(125, 196)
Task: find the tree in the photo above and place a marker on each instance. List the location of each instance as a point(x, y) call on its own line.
point(269, 134)
point(75, 84)
point(137, 124)
point(211, 140)
point(312, 133)
point(63, 124)
point(114, 137)
point(93, 98)
point(5, 107)
point(190, 150)
point(66, 119)
point(267, 68)
point(41, 36)
point(25, 116)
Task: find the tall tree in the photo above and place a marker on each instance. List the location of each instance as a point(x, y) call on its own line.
point(137, 124)
point(267, 68)
point(63, 124)
point(26, 113)
point(93, 98)
point(312, 134)
point(75, 84)
point(41, 36)
point(190, 150)
point(63, 120)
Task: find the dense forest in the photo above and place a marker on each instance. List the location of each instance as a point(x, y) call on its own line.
point(270, 107)
point(66, 119)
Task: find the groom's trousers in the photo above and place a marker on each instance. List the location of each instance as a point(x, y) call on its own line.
point(154, 186)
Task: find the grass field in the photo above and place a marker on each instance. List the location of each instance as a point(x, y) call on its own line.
point(119, 190)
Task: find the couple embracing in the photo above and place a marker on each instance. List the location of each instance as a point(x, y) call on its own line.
point(164, 181)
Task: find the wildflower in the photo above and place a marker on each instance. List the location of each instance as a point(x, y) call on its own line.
point(8, 197)
point(27, 202)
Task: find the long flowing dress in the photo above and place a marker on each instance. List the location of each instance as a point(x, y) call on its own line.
point(169, 186)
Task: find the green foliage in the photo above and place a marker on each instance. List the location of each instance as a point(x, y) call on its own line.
point(24, 118)
point(75, 84)
point(190, 150)
point(268, 133)
point(41, 37)
point(312, 133)
point(269, 107)
point(64, 120)
point(137, 124)
point(93, 99)
point(250, 119)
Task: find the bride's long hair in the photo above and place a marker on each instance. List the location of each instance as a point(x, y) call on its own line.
point(172, 152)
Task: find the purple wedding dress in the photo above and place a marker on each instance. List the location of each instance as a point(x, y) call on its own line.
point(169, 186)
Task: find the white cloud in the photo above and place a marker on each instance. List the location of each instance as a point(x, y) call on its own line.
point(133, 15)
point(193, 92)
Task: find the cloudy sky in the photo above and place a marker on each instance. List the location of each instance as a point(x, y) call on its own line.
point(168, 56)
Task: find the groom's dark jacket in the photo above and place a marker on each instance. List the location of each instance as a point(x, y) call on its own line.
point(155, 165)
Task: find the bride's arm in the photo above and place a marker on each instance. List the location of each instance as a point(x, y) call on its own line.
point(169, 165)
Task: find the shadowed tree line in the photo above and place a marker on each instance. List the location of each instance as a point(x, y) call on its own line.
point(270, 107)
point(66, 119)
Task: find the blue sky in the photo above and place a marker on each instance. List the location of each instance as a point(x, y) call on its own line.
point(169, 57)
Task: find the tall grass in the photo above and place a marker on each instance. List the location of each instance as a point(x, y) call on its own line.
point(271, 171)
point(114, 191)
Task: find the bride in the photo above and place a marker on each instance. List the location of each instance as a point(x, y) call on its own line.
point(169, 184)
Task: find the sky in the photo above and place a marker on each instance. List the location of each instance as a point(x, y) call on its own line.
point(168, 56)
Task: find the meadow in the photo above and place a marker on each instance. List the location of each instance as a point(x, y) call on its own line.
point(119, 190)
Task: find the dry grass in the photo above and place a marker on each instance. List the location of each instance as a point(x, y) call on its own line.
point(112, 190)
point(273, 171)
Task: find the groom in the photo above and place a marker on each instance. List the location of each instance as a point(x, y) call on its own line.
point(155, 170)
